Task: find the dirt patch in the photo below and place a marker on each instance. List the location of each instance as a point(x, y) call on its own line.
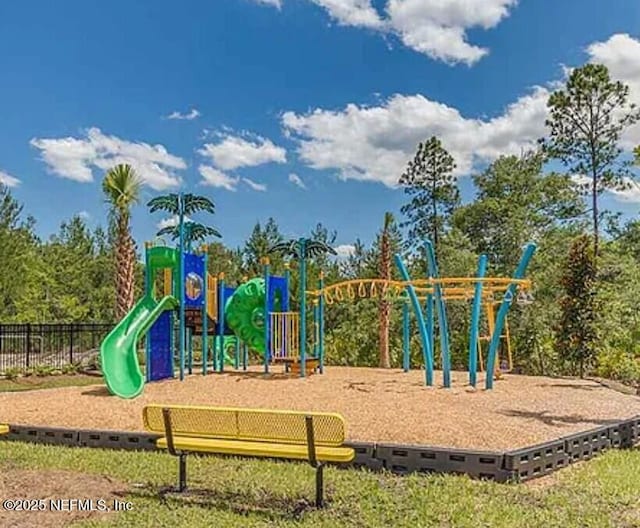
point(43, 492)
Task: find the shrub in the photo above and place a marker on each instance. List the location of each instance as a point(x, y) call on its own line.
point(619, 365)
point(12, 373)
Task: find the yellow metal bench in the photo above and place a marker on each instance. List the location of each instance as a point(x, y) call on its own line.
point(4, 429)
point(311, 436)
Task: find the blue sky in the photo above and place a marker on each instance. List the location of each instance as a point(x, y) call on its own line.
point(304, 110)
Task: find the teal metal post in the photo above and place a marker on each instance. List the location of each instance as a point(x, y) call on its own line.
point(218, 343)
point(475, 322)
point(303, 307)
point(430, 323)
point(245, 356)
point(181, 315)
point(316, 324)
point(321, 325)
point(267, 329)
point(189, 351)
point(507, 300)
point(405, 336)
point(442, 316)
point(426, 350)
point(205, 315)
point(236, 354)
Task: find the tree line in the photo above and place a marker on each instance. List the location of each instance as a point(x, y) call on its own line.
point(585, 318)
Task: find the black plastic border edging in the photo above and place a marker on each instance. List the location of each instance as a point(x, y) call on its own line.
point(408, 459)
point(83, 437)
point(517, 465)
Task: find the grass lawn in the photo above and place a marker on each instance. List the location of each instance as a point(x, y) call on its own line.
point(48, 382)
point(228, 492)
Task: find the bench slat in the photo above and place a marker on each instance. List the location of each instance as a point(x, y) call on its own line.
point(193, 421)
point(257, 425)
point(290, 427)
point(258, 449)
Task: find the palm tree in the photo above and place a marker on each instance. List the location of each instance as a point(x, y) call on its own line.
point(301, 249)
point(121, 187)
point(182, 205)
point(173, 202)
point(193, 232)
point(384, 308)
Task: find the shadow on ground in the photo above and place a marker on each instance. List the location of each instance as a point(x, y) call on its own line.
point(97, 391)
point(253, 375)
point(556, 420)
point(269, 506)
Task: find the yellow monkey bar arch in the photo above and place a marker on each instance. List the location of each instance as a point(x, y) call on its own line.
point(453, 288)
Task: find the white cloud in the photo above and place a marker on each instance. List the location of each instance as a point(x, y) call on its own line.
point(8, 180)
point(77, 158)
point(170, 222)
point(621, 54)
point(352, 12)
point(187, 116)
point(234, 152)
point(85, 215)
point(296, 180)
point(375, 143)
point(345, 250)
point(437, 28)
point(255, 185)
point(216, 178)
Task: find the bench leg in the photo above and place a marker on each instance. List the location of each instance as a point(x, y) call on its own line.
point(319, 486)
point(182, 472)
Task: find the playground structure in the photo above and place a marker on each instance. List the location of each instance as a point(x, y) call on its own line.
point(256, 315)
point(433, 291)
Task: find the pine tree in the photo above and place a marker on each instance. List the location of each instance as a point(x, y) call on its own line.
point(586, 120)
point(428, 180)
point(257, 247)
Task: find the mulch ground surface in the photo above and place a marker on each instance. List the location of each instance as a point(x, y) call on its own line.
point(378, 405)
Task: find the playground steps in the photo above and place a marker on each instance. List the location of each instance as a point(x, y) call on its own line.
point(310, 366)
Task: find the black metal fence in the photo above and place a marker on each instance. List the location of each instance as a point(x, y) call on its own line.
point(27, 346)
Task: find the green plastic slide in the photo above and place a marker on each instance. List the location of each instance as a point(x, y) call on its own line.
point(118, 356)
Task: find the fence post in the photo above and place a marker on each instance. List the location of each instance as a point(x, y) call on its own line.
point(71, 326)
point(28, 342)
